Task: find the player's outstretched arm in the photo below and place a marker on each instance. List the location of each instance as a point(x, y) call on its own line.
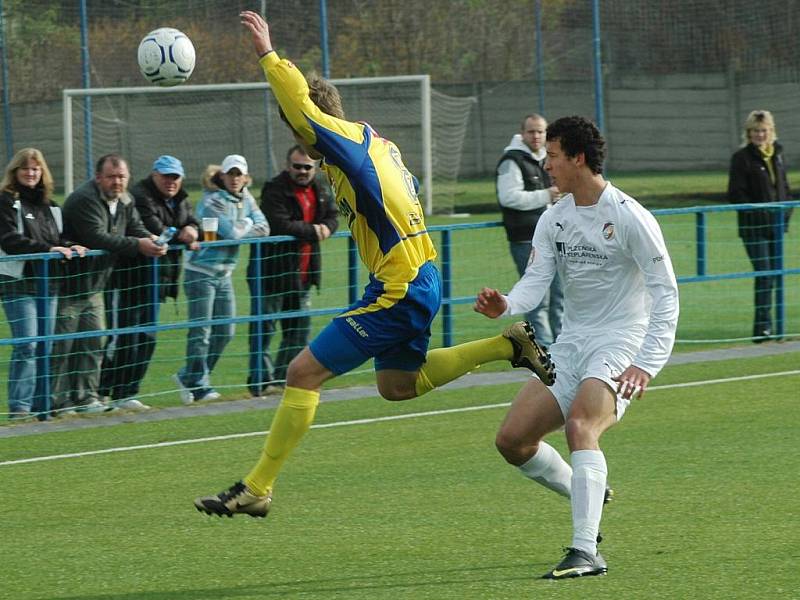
point(259, 29)
point(490, 302)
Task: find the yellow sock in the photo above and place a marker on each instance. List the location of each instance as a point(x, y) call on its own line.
point(290, 423)
point(443, 365)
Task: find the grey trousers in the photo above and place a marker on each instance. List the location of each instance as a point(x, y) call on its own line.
point(76, 362)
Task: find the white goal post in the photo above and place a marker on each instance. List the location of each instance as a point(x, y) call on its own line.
point(200, 124)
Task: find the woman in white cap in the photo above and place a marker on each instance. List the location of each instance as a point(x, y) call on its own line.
point(207, 281)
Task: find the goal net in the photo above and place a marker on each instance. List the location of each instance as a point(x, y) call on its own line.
point(201, 124)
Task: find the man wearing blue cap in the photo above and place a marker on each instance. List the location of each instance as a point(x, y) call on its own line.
point(162, 203)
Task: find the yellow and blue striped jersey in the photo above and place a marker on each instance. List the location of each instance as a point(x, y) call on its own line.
point(374, 190)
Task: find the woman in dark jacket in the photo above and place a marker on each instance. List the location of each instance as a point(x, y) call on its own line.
point(29, 222)
point(758, 174)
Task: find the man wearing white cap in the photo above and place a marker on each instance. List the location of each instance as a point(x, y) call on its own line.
point(162, 203)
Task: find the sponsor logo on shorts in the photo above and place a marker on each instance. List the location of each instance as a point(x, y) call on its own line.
point(657, 259)
point(357, 327)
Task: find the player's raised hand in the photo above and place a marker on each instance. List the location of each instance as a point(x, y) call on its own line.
point(259, 29)
point(632, 382)
point(490, 302)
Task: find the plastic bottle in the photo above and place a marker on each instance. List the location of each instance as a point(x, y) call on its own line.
point(166, 236)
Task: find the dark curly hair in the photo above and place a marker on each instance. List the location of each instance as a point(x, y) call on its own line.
point(578, 135)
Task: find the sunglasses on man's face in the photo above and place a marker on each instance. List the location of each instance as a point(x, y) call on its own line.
point(302, 167)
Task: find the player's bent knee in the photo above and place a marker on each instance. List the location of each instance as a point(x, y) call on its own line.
point(395, 392)
point(304, 371)
point(512, 449)
point(581, 433)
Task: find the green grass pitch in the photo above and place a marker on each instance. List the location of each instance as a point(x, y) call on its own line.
point(421, 507)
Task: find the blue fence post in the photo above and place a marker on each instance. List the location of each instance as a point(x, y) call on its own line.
point(700, 240)
point(154, 290)
point(9, 136)
point(352, 271)
point(598, 69)
point(43, 327)
point(539, 55)
point(87, 83)
point(447, 289)
point(780, 308)
point(323, 38)
point(257, 307)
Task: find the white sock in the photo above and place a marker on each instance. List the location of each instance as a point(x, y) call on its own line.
point(548, 468)
point(589, 473)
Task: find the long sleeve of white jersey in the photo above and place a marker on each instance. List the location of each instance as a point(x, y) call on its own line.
point(650, 253)
point(511, 191)
point(529, 291)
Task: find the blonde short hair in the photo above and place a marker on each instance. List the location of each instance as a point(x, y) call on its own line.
point(9, 183)
point(759, 118)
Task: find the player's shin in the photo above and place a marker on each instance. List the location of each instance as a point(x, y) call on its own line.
point(290, 423)
point(589, 474)
point(443, 365)
point(550, 469)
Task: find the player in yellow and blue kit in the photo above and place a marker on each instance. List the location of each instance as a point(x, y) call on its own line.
point(391, 323)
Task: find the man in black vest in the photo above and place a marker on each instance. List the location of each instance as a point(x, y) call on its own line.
point(524, 193)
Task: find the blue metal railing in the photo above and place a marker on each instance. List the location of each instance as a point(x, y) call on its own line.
point(446, 256)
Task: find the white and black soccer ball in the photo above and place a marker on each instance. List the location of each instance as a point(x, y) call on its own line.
point(166, 56)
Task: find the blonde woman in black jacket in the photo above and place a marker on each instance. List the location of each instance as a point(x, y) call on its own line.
point(758, 174)
point(29, 223)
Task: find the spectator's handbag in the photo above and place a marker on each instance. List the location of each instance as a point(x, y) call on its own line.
point(14, 268)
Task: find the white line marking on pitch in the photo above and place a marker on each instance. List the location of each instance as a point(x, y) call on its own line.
point(430, 413)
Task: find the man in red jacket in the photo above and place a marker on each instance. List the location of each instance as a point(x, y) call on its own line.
point(295, 203)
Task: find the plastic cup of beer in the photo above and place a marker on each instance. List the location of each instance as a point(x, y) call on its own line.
point(210, 227)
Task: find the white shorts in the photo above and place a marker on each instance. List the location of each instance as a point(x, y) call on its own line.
point(601, 357)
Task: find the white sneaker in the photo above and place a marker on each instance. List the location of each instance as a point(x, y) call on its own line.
point(211, 395)
point(131, 404)
point(186, 394)
point(95, 406)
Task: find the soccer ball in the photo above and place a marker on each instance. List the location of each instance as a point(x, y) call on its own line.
point(166, 57)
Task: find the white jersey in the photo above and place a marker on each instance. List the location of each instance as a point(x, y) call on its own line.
point(616, 273)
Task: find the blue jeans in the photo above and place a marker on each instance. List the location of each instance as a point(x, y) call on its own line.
point(294, 335)
point(210, 297)
point(26, 372)
point(545, 318)
point(763, 254)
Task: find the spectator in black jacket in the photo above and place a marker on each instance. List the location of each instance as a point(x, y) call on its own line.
point(162, 203)
point(101, 215)
point(295, 203)
point(758, 174)
point(30, 222)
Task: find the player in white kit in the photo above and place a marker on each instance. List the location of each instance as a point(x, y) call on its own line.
point(620, 316)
